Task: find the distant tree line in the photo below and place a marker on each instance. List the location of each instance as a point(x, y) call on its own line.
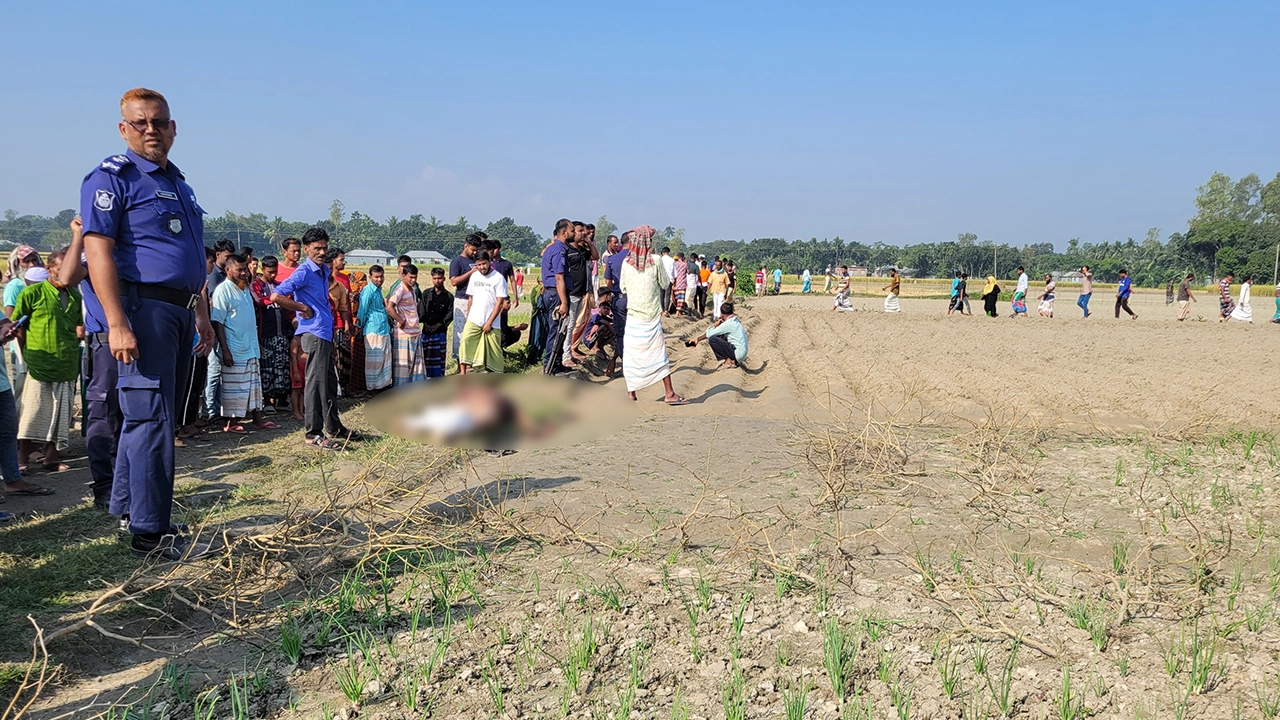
point(1236, 228)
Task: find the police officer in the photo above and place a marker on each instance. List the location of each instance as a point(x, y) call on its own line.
point(144, 244)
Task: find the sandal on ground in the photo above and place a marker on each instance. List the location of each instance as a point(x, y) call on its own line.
point(7, 517)
point(33, 491)
point(266, 425)
point(235, 430)
point(57, 467)
point(350, 435)
point(678, 401)
point(324, 443)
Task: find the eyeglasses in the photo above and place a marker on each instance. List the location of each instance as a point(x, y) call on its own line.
point(160, 124)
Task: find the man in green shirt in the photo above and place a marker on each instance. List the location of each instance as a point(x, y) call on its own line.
point(51, 345)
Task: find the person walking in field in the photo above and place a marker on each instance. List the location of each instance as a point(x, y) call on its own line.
point(1244, 309)
point(990, 295)
point(1020, 293)
point(1122, 294)
point(953, 303)
point(1186, 297)
point(806, 282)
point(1046, 298)
point(891, 304)
point(826, 282)
point(1086, 289)
point(777, 281)
point(842, 300)
point(1168, 293)
point(1225, 304)
point(760, 282)
point(1276, 318)
point(964, 295)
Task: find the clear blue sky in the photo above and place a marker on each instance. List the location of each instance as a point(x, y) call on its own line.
point(894, 122)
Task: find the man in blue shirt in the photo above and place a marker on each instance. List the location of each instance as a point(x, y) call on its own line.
point(144, 245)
point(460, 269)
point(309, 288)
point(1122, 294)
point(555, 292)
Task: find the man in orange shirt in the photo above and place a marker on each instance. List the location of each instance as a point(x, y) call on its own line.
point(704, 275)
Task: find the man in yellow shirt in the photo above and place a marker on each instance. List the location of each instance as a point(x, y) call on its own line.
point(718, 288)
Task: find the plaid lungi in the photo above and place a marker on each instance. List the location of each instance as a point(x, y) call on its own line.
point(406, 366)
point(241, 391)
point(435, 348)
point(377, 361)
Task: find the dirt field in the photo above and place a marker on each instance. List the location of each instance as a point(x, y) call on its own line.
point(883, 516)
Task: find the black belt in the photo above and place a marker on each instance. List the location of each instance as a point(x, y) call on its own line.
point(173, 296)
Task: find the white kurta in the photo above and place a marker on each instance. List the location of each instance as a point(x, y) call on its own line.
point(1243, 311)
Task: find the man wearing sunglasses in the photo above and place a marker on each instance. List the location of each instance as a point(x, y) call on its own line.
point(144, 246)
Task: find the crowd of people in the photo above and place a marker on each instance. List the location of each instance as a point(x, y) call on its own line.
point(578, 310)
point(1238, 308)
point(168, 339)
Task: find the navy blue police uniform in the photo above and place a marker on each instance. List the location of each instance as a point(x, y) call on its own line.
point(102, 406)
point(158, 227)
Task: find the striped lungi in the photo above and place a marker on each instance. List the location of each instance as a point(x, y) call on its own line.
point(482, 350)
point(46, 411)
point(435, 350)
point(644, 356)
point(406, 361)
point(241, 392)
point(377, 361)
point(891, 303)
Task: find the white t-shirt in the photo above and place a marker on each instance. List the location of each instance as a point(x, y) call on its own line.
point(1022, 283)
point(668, 264)
point(485, 290)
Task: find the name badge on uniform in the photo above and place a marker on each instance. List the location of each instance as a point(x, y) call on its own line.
point(166, 195)
point(175, 225)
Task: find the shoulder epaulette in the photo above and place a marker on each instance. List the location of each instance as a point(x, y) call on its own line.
point(115, 164)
